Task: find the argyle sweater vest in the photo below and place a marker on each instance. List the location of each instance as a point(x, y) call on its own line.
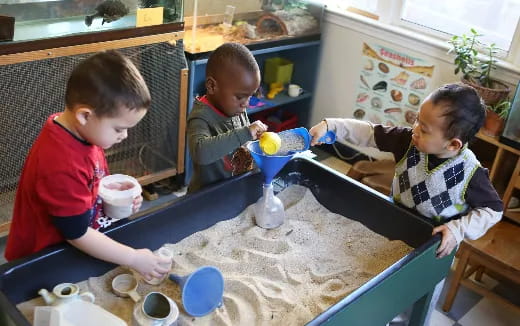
point(439, 193)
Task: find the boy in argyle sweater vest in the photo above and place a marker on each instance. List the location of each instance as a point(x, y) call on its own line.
point(436, 174)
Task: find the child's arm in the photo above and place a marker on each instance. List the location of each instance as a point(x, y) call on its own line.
point(486, 210)
point(98, 245)
point(448, 242)
point(257, 128)
point(206, 148)
point(471, 226)
point(356, 132)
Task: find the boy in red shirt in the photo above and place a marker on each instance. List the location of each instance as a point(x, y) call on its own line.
point(57, 196)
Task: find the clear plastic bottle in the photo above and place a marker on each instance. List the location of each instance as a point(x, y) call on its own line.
point(269, 210)
point(228, 16)
point(166, 253)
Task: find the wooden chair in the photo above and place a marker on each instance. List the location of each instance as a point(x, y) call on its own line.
point(497, 254)
point(379, 182)
point(377, 175)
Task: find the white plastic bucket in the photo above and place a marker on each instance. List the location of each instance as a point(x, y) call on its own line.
point(118, 192)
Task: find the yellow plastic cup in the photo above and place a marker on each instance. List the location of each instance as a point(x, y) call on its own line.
point(270, 142)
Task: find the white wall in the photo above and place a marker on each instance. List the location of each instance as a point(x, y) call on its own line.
point(341, 62)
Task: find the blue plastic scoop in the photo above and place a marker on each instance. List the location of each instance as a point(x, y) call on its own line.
point(299, 139)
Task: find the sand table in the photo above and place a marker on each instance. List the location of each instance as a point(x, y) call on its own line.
point(285, 276)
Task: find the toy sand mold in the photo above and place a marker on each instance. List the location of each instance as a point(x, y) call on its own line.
point(374, 303)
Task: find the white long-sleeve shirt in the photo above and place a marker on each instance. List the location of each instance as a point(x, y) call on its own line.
point(486, 208)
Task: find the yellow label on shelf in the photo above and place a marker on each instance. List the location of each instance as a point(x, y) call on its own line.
point(149, 16)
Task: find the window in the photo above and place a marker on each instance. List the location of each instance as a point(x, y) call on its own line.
point(367, 5)
point(496, 20)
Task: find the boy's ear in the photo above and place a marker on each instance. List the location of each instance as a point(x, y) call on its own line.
point(211, 85)
point(455, 144)
point(83, 114)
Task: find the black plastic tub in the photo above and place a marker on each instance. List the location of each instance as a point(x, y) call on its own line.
point(409, 281)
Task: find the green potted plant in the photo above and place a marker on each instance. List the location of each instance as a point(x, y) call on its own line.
point(476, 72)
point(496, 116)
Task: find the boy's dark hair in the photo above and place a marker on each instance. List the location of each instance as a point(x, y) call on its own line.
point(106, 82)
point(464, 110)
point(230, 53)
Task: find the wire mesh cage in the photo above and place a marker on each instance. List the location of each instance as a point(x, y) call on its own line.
point(31, 91)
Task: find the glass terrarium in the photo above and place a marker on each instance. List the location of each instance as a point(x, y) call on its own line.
point(511, 134)
point(39, 19)
point(210, 23)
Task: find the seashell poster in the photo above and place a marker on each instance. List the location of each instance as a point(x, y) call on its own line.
point(392, 86)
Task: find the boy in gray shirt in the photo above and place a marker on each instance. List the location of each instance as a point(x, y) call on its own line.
point(218, 125)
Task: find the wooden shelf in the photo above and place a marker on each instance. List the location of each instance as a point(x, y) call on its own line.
point(505, 171)
point(4, 228)
point(496, 142)
point(513, 214)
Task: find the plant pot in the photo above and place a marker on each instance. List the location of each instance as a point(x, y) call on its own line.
point(493, 125)
point(491, 96)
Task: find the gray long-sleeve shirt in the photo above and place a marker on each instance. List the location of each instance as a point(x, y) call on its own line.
point(212, 139)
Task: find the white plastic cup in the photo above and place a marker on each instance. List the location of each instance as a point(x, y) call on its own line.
point(165, 253)
point(118, 192)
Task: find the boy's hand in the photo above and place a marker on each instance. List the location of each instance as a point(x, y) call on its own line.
point(138, 201)
point(149, 265)
point(317, 132)
point(257, 128)
point(448, 241)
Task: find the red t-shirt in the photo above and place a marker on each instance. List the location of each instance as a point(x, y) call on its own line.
point(60, 179)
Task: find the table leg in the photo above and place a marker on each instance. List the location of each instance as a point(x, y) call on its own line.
point(478, 276)
point(496, 164)
point(457, 276)
point(420, 310)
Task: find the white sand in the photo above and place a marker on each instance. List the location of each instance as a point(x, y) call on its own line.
point(285, 276)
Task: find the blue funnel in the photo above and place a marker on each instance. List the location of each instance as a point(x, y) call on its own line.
point(202, 290)
point(269, 164)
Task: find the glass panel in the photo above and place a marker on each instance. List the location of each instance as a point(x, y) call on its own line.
point(37, 19)
point(366, 5)
point(495, 19)
point(511, 133)
point(210, 23)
